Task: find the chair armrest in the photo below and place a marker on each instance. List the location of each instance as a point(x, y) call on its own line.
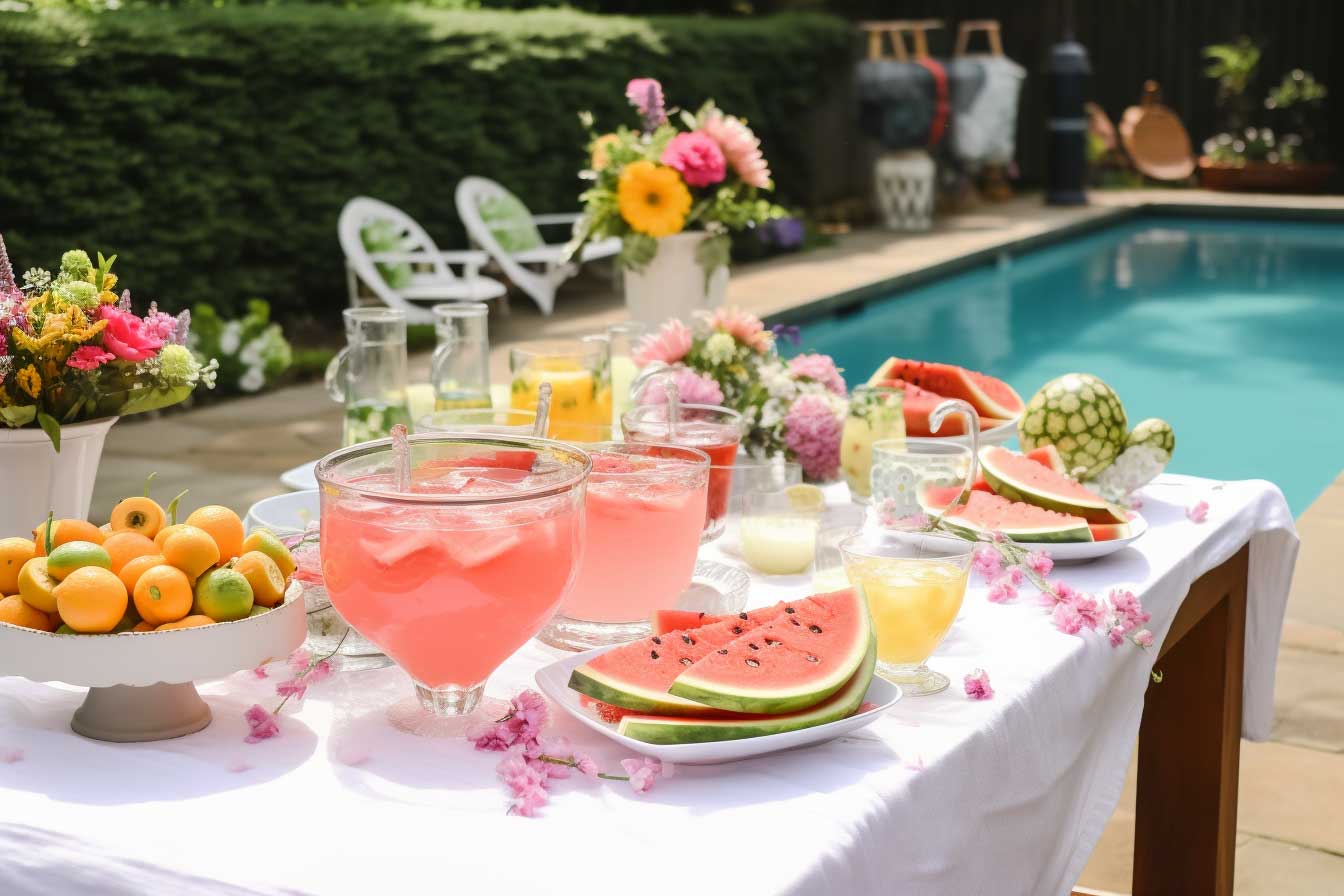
point(472, 260)
point(558, 218)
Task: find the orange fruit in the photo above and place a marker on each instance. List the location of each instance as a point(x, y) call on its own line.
point(264, 540)
point(142, 515)
point(73, 555)
point(191, 550)
point(14, 552)
point(136, 566)
point(268, 584)
point(143, 626)
point(63, 531)
point(106, 529)
point(125, 546)
point(92, 599)
point(224, 595)
point(36, 586)
point(224, 527)
point(187, 622)
point(55, 620)
point(163, 594)
point(16, 611)
point(163, 534)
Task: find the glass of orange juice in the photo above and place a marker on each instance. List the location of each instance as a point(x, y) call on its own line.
point(579, 372)
point(915, 582)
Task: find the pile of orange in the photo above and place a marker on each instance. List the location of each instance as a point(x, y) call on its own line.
point(141, 573)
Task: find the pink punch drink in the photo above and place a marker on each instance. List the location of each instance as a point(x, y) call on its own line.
point(644, 510)
point(451, 575)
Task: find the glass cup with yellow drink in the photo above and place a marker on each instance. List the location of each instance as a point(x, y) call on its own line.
point(915, 582)
point(579, 372)
point(876, 413)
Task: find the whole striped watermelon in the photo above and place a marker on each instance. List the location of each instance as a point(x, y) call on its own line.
point(1082, 417)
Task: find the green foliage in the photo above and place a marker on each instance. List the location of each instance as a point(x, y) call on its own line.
point(213, 148)
point(252, 351)
point(1233, 67)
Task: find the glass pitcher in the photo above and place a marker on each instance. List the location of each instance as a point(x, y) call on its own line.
point(623, 338)
point(368, 376)
point(579, 372)
point(460, 367)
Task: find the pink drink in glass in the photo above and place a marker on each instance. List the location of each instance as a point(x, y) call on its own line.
point(454, 575)
point(644, 510)
point(717, 431)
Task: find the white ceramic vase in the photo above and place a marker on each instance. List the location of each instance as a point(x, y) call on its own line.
point(37, 479)
point(673, 284)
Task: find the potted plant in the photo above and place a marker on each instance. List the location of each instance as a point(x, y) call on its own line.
point(673, 190)
point(1247, 156)
point(73, 359)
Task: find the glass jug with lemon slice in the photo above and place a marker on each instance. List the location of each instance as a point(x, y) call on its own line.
point(580, 378)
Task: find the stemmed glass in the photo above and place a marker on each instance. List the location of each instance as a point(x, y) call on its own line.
point(450, 558)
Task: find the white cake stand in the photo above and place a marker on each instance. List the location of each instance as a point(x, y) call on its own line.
point(141, 683)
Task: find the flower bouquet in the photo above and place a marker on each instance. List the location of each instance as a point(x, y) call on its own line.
point(796, 407)
point(71, 351)
point(660, 179)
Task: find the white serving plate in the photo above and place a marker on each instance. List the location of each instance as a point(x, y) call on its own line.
point(285, 514)
point(300, 478)
point(554, 683)
point(141, 682)
point(1072, 552)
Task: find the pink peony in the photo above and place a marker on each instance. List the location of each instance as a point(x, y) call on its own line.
point(88, 357)
point(127, 336)
point(743, 326)
point(977, 685)
point(646, 95)
point(740, 147)
point(820, 369)
point(812, 432)
point(692, 388)
point(697, 157)
point(669, 345)
point(261, 724)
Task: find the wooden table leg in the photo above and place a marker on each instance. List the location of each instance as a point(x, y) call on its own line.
point(1185, 826)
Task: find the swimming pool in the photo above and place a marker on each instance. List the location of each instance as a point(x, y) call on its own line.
point(1233, 331)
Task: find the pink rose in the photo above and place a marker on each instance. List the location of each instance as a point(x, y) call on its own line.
point(127, 336)
point(697, 157)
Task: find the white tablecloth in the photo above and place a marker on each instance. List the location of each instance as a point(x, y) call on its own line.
point(943, 795)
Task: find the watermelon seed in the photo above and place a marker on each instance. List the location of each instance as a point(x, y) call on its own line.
point(795, 622)
point(753, 647)
point(741, 615)
point(789, 610)
point(812, 659)
point(771, 642)
point(685, 661)
point(657, 640)
point(724, 652)
point(653, 653)
point(688, 639)
point(737, 629)
point(815, 628)
point(753, 663)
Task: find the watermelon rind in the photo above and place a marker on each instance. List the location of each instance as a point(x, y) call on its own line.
point(627, 696)
point(1025, 535)
point(1004, 483)
point(695, 685)
point(841, 705)
point(953, 381)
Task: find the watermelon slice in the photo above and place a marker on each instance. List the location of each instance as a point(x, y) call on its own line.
point(1109, 531)
point(792, 662)
point(1046, 455)
point(637, 675)
point(676, 620)
point(991, 397)
point(919, 404)
point(985, 513)
point(671, 730)
point(1019, 479)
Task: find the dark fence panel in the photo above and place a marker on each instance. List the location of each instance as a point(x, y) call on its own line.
point(1132, 40)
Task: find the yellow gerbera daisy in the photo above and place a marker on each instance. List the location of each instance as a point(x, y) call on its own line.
point(652, 198)
point(29, 380)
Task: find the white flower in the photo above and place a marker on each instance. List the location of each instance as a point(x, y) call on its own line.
point(230, 337)
point(777, 381)
point(252, 380)
point(720, 348)
point(251, 353)
point(772, 413)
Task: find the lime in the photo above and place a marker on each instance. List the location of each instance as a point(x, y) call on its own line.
point(224, 595)
point(74, 555)
point(806, 498)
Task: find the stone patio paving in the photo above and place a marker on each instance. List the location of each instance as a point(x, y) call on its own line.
point(1290, 821)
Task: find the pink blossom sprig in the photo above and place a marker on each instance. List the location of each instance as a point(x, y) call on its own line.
point(308, 670)
point(977, 685)
point(531, 762)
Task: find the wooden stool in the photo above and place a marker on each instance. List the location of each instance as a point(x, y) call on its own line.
point(896, 30)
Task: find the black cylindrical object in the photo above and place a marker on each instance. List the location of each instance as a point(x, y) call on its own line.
point(1066, 79)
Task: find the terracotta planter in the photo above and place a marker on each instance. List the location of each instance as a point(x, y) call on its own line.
point(41, 480)
point(1266, 177)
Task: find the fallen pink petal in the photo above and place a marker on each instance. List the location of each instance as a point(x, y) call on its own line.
point(1198, 512)
point(261, 724)
point(977, 685)
point(9, 756)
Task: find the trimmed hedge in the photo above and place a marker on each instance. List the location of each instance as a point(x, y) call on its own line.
point(212, 150)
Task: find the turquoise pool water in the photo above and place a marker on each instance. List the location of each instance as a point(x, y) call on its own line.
point(1233, 331)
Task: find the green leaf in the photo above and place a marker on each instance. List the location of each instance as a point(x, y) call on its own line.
point(714, 253)
point(51, 427)
point(637, 250)
point(18, 416)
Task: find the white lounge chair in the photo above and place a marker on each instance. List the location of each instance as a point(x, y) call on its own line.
point(498, 222)
point(404, 267)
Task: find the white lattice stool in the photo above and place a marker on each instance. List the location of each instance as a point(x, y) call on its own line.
point(905, 189)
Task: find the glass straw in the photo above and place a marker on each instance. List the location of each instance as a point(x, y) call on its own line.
point(543, 410)
point(673, 407)
point(401, 457)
